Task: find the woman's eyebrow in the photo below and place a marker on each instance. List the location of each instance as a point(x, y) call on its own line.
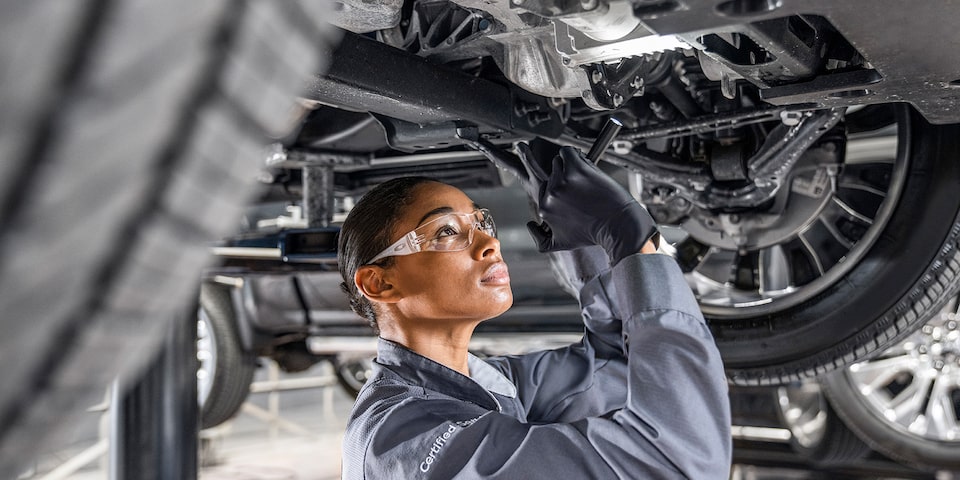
point(435, 211)
point(441, 210)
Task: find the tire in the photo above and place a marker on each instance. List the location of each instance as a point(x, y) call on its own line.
point(226, 368)
point(130, 133)
point(817, 433)
point(904, 380)
point(910, 270)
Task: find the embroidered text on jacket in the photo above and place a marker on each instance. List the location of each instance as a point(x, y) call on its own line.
point(436, 447)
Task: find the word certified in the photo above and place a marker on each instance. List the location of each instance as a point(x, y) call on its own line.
point(438, 444)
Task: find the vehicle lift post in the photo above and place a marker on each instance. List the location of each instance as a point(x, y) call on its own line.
point(154, 422)
point(318, 199)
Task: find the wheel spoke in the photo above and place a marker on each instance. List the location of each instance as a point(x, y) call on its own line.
point(853, 214)
point(775, 272)
point(812, 253)
point(941, 413)
point(871, 376)
point(906, 406)
point(864, 187)
point(871, 150)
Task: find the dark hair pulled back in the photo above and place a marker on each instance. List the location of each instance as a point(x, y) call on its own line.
point(367, 231)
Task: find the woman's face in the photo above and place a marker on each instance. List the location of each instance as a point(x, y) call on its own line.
point(470, 284)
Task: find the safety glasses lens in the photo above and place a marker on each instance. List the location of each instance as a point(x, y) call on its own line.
point(455, 231)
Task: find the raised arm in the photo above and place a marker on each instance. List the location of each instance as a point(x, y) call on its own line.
point(586, 222)
point(585, 379)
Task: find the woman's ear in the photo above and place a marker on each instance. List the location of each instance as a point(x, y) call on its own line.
point(372, 282)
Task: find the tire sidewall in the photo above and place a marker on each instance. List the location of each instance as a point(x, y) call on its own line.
point(234, 366)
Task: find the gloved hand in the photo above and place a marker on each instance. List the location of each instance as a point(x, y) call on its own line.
point(579, 205)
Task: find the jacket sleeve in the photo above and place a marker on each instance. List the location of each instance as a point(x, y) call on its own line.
point(588, 378)
point(674, 422)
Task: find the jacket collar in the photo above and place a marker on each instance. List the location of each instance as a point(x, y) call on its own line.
point(422, 371)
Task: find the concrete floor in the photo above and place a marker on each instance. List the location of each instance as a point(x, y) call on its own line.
point(289, 435)
point(302, 443)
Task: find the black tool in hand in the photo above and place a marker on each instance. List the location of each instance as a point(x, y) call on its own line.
point(607, 134)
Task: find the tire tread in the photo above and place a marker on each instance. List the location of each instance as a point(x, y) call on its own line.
point(134, 162)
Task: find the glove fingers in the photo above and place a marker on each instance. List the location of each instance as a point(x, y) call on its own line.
point(559, 168)
point(541, 235)
point(530, 162)
point(574, 159)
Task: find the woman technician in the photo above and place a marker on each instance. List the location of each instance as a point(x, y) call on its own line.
point(643, 395)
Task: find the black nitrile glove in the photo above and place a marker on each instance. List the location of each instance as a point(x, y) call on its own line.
point(579, 205)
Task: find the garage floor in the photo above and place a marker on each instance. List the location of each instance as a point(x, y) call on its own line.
point(302, 443)
point(294, 432)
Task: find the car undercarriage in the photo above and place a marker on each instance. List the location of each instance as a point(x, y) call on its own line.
point(780, 145)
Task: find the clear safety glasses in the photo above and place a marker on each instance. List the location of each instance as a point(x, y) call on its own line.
point(447, 233)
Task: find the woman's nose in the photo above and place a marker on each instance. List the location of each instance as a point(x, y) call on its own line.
point(485, 244)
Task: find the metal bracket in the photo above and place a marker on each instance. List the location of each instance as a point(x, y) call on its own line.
point(613, 85)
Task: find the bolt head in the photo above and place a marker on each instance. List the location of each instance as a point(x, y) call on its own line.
point(622, 147)
point(790, 118)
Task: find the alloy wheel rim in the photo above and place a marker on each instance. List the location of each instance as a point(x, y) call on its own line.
point(206, 356)
point(804, 412)
point(915, 386)
point(713, 276)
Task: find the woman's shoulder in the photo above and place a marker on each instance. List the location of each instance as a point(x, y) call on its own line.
point(385, 396)
point(384, 390)
point(386, 407)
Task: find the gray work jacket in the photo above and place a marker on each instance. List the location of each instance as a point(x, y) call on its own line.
point(642, 396)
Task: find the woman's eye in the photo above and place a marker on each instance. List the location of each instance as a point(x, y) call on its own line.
point(446, 231)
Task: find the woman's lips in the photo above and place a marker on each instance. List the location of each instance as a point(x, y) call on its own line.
point(497, 274)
